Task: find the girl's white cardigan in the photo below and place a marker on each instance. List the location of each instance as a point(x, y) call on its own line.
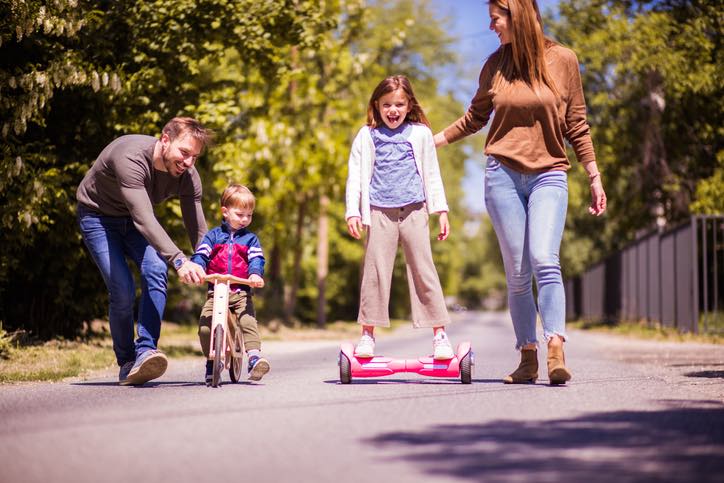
point(361, 161)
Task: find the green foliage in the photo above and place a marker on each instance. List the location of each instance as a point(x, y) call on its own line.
point(284, 83)
point(76, 74)
point(482, 274)
point(289, 142)
point(6, 345)
point(709, 194)
point(652, 73)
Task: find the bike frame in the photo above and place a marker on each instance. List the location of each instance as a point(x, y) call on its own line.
point(233, 344)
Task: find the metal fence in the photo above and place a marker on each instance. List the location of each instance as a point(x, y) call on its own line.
point(673, 278)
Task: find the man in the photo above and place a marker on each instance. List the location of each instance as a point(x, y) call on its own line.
point(116, 218)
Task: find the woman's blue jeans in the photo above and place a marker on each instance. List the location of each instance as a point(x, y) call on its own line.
point(110, 239)
point(528, 212)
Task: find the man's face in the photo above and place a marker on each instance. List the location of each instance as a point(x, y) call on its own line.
point(180, 154)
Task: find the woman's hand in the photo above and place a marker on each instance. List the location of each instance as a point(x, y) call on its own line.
point(444, 226)
point(439, 139)
point(598, 197)
point(354, 226)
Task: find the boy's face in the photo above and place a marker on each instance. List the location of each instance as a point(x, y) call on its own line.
point(237, 217)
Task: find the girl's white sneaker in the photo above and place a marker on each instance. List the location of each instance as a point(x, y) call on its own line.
point(365, 347)
point(442, 349)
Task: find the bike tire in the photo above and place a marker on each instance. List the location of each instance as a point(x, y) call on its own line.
point(218, 362)
point(236, 364)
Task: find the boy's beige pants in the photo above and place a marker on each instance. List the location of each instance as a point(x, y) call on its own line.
point(390, 227)
point(242, 307)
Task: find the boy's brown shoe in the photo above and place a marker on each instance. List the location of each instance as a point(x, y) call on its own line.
point(527, 371)
point(557, 371)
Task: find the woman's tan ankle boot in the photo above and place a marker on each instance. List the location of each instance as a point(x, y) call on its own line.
point(527, 371)
point(557, 371)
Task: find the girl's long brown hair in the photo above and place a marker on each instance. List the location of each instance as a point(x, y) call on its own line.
point(524, 57)
point(391, 84)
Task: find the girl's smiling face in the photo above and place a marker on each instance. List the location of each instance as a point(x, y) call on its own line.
point(500, 23)
point(393, 108)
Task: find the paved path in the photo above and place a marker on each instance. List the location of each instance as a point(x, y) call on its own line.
point(635, 411)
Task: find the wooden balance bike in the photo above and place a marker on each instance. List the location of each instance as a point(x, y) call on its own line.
point(227, 342)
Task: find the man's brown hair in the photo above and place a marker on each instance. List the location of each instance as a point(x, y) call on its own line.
point(179, 126)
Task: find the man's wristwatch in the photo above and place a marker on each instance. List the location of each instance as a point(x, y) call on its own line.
point(179, 262)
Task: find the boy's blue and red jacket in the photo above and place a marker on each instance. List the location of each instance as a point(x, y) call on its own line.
point(226, 251)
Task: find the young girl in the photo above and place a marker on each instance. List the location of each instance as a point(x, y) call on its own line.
point(393, 184)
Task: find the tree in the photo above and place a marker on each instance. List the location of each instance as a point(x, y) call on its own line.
point(655, 107)
point(74, 75)
point(284, 83)
point(293, 146)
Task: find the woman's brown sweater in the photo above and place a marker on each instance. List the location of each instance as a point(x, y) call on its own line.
point(528, 129)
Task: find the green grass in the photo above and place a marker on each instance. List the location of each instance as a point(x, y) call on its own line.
point(644, 330)
point(53, 361)
point(712, 322)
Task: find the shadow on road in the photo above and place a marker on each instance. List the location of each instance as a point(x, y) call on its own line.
point(707, 374)
point(153, 384)
point(674, 444)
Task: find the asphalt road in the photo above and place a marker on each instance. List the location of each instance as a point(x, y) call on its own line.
point(635, 411)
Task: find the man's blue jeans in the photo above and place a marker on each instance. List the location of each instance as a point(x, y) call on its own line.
point(110, 239)
point(528, 212)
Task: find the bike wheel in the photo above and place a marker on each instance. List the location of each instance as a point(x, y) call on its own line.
point(466, 368)
point(345, 369)
point(236, 362)
point(218, 350)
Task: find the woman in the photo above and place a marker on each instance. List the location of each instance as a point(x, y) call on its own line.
point(533, 86)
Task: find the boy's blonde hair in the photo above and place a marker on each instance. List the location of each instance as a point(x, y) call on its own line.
point(238, 196)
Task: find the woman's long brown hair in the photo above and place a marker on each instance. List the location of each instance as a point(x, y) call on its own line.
point(391, 84)
point(524, 57)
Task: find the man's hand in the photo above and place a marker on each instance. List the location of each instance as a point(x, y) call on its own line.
point(444, 227)
point(191, 273)
point(256, 280)
point(354, 226)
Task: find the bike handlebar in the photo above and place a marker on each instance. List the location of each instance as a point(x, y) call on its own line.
point(218, 277)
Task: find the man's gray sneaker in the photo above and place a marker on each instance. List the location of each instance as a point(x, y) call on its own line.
point(125, 369)
point(149, 365)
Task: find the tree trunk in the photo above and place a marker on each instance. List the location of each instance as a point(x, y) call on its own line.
point(275, 295)
point(290, 304)
point(655, 164)
point(322, 261)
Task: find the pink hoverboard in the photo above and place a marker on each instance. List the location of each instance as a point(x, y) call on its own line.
point(351, 366)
